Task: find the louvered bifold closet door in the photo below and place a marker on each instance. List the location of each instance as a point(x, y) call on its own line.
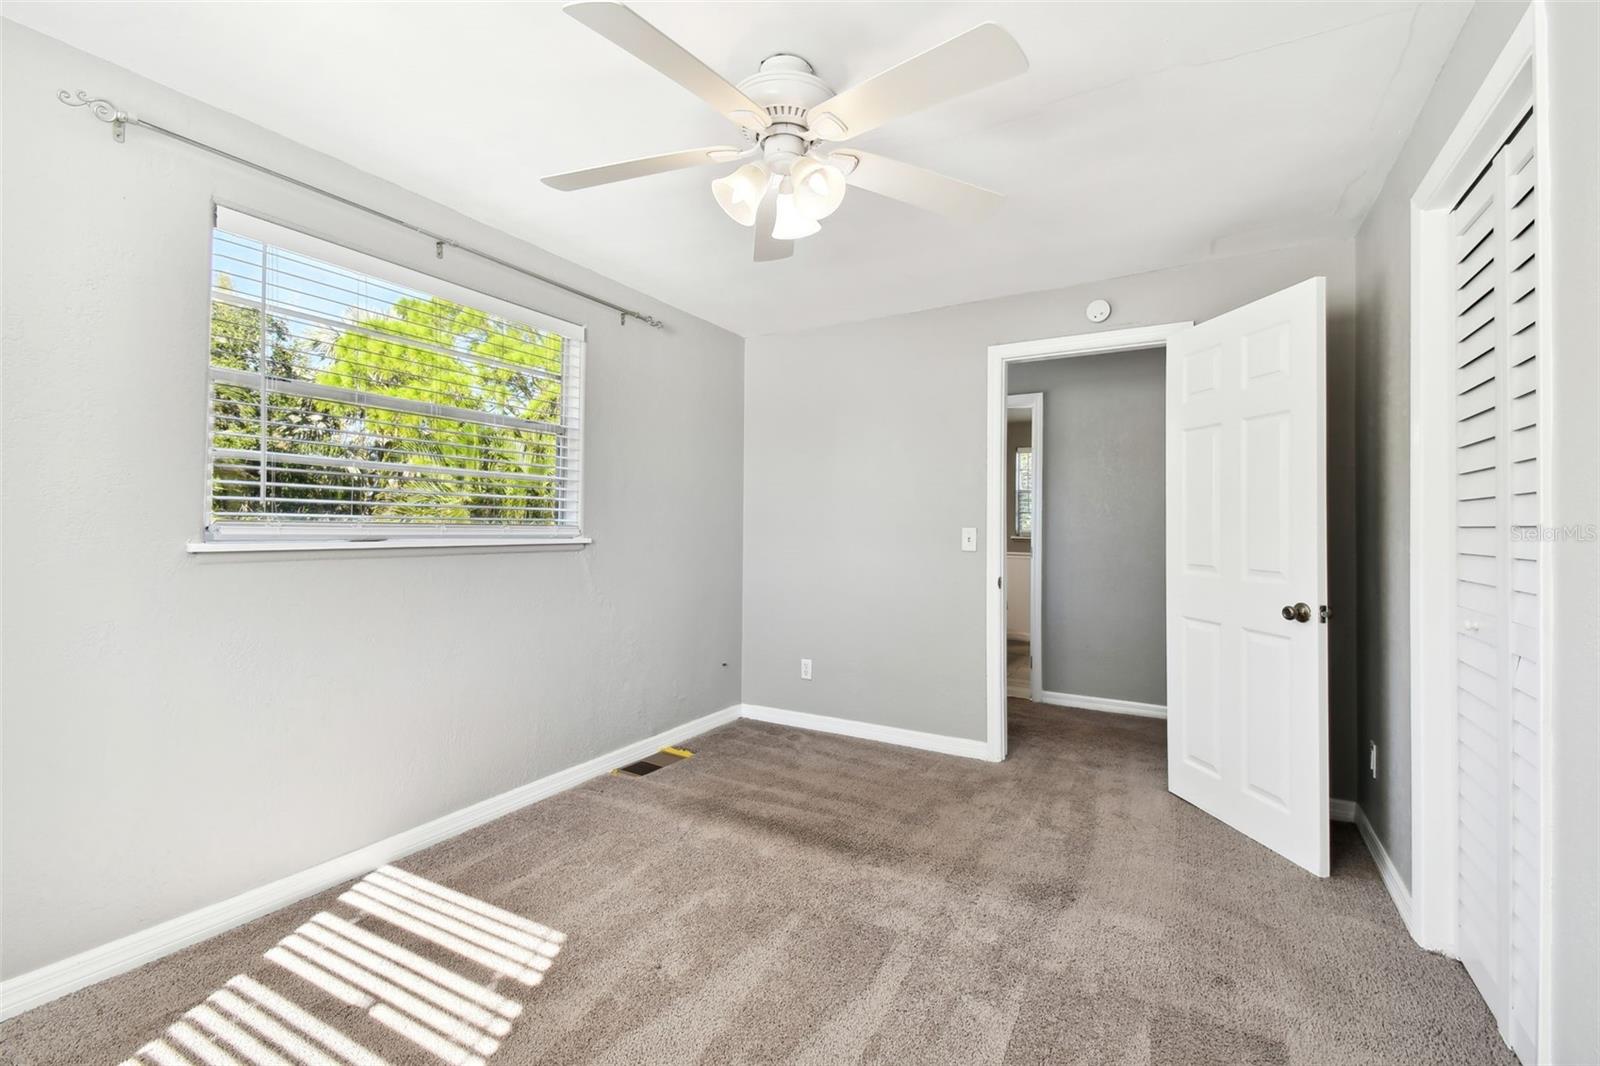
point(1497, 545)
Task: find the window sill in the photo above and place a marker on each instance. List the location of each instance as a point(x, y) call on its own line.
point(210, 547)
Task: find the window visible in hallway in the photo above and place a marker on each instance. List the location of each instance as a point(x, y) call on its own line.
point(1024, 501)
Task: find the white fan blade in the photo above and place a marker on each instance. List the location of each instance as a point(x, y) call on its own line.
point(638, 168)
point(637, 37)
point(980, 57)
point(915, 186)
point(769, 247)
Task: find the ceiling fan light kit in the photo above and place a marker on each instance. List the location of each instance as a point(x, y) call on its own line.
point(790, 117)
point(791, 222)
point(818, 186)
point(739, 194)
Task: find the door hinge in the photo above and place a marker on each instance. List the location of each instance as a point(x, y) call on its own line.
point(1323, 614)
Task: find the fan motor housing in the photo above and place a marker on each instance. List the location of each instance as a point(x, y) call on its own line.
point(787, 87)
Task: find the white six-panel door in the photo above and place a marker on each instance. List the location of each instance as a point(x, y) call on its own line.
point(1247, 721)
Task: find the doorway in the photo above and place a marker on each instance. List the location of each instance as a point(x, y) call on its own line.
point(1100, 506)
point(1024, 543)
point(1003, 568)
point(1245, 527)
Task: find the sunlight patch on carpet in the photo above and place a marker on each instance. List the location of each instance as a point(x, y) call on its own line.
point(393, 967)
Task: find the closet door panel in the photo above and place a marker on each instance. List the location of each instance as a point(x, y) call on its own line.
point(1497, 405)
point(1522, 651)
point(1482, 738)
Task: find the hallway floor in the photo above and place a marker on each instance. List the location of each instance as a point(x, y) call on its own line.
point(787, 896)
point(1019, 676)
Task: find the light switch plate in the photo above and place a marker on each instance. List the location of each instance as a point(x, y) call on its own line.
point(969, 538)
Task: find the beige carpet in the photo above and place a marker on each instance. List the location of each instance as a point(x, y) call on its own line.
point(791, 897)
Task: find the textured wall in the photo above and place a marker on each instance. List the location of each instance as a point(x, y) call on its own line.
point(864, 457)
point(1105, 542)
point(181, 728)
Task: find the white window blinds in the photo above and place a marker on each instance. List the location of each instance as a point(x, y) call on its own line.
point(355, 400)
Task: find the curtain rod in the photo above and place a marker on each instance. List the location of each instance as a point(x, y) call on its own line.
point(106, 111)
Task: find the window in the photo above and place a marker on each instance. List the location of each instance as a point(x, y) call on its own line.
point(1022, 509)
point(353, 400)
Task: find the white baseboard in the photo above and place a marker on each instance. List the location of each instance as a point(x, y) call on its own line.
point(847, 727)
point(1386, 868)
point(29, 990)
point(1342, 810)
point(1099, 703)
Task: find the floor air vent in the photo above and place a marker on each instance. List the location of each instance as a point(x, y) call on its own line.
point(651, 763)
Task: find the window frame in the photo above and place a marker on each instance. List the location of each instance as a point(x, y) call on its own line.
point(1017, 532)
point(265, 537)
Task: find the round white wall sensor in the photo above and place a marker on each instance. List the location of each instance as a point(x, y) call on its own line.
point(1098, 311)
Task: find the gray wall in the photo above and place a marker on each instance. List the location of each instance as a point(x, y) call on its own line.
point(179, 728)
point(1572, 248)
point(1018, 435)
point(1104, 502)
point(857, 565)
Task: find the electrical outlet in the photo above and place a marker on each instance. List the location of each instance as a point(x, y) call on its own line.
point(805, 669)
point(1374, 759)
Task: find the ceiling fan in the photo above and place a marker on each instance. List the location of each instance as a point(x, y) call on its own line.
point(791, 121)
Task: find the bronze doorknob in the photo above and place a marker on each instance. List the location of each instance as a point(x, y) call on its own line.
point(1300, 612)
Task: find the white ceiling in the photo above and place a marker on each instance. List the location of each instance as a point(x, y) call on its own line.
point(1144, 135)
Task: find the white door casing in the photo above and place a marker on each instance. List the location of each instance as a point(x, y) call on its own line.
point(1247, 715)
